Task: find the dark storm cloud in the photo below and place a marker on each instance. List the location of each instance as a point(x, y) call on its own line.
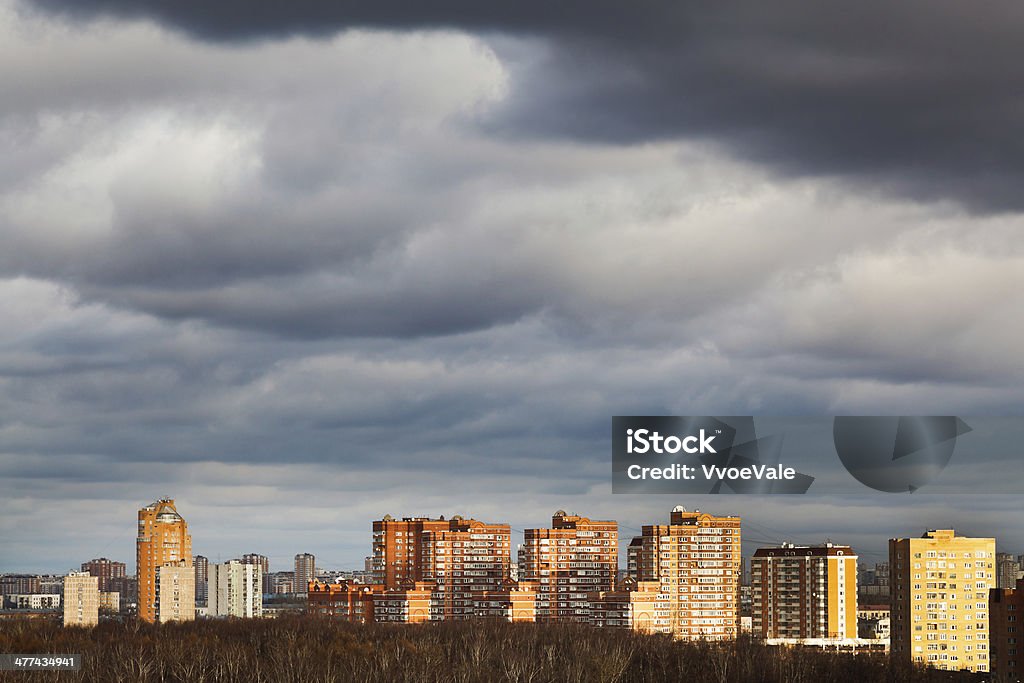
point(919, 98)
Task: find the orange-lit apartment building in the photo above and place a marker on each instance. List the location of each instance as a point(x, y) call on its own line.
point(461, 559)
point(574, 557)
point(164, 560)
point(940, 599)
point(697, 560)
point(407, 603)
point(1006, 626)
point(515, 601)
point(344, 601)
point(635, 605)
point(804, 592)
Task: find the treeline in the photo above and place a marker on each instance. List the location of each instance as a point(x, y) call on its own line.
point(307, 650)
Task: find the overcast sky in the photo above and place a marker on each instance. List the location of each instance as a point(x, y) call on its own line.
point(298, 265)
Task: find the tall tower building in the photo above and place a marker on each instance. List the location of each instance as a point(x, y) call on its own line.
point(697, 560)
point(805, 592)
point(263, 562)
point(107, 571)
point(81, 599)
point(572, 558)
point(940, 599)
point(202, 565)
point(305, 572)
point(236, 590)
point(459, 559)
point(164, 543)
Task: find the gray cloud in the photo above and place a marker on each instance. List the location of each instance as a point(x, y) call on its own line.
point(917, 99)
point(255, 269)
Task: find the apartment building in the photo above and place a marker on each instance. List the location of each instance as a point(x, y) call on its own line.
point(462, 559)
point(634, 605)
point(804, 592)
point(202, 569)
point(697, 560)
point(345, 600)
point(305, 572)
point(1006, 629)
point(81, 599)
point(574, 557)
point(164, 543)
point(408, 603)
point(106, 570)
point(514, 601)
point(235, 590)
point(940, 599)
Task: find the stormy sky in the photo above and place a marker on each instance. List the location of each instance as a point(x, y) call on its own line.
point(298, 265)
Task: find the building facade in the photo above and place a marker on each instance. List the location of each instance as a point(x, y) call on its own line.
point(305, 572)
point(572, 558)
point(940, 599)
point(81, 599)
point(164, 542)
point(345, 601)
point(634, 605)
point(1006, 621)
point(263, 562)
point(697, 560)
point(202, 567)
point(107, 571)
point(802, 592)
point(235, 590)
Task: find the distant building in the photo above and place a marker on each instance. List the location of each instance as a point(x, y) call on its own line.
point(110, 602)
point(697, 559)
point(81, 599)
point(636, 605)
point(1007, 569)
point(343, 601)
point(940, 596)
point(1006, 621)
point(804, 592)
point(127, 588)
point(105, 570)
point(305, 572)
point(261, 561)
point(573, 557)
point(281, 583)
point(32, 601)
point(513, 601)
point(407, 603)
point(236, 590)
point(164, 543)
point(19, 584)
point(202, 570)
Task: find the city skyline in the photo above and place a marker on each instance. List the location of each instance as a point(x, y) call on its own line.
point(306, 266)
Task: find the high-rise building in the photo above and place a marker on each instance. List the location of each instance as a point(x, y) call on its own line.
point(460, 558)
point(305, 572)
point(236, 590)
point(164, 541)
point(1007, 569)
point(1006, 626)
point(696, 558)
point(176, 592)
point(81, 599)
point(263, 562)
point(805, 592)
point(572, 558)
point(202, 567)
point(105, 570)
point(940, 596)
